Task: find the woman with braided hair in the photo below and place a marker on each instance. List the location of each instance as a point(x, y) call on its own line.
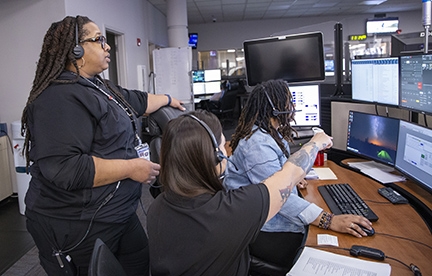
point(260, 147)
point(82, 141)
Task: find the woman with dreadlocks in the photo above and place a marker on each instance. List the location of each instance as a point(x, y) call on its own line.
point(82, 138)
point(260, 147)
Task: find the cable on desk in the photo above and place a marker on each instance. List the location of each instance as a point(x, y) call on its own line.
point(412, 267)
point(403, 238)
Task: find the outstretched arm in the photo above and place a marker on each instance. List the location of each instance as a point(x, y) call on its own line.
point(282, 182)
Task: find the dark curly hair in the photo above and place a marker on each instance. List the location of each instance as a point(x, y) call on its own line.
point(258, 110)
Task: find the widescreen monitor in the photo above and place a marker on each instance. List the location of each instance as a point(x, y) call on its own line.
point(372, 137)
point(307, 103)
point(212, 87)
point(198, 88)
point(416, 83)
point(293, 58)
point(414, 158)
point(375, 80)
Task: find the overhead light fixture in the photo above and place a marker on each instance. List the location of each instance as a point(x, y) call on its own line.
point(231, 50)
point(372, 2)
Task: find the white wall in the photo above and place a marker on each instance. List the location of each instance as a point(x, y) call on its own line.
point(226, 35)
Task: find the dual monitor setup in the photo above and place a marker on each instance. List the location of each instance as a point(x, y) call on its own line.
point(206, 82)
point(404, 81)
point(397, 143)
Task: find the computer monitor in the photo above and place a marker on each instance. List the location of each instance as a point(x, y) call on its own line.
point(416, 83)
point(198, 76)
point(307, 103)
point(193, 40)
point(384, 26)
point(212, 75)
point(212, 87)
point(198, 88)
point(293, 58)
point(373, 137)
point(375, 80)
point(414, 157)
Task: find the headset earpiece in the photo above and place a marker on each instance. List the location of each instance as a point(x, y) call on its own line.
point(78, 50)
point(218, 153)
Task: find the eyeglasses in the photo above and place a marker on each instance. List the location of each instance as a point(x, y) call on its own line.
point(101, 39)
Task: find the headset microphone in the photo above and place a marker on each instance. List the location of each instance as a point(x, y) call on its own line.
point(276, 112)
point(78, 50)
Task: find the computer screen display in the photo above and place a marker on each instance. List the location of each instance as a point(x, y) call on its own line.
point(416, 83)
point(382, 25)
point(372, 136)
point(414, 157)
point(198, 88)
point(293, 58)
point(193, 40)
point(198, 76)
point(212, 75)
point(375, 80)
point(212, 87)
point(307, 103)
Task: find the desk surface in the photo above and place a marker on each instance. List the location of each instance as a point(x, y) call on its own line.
point(397, 220)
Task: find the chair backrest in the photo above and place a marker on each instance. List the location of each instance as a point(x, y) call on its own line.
point(157, 124)
point(228, 101)
point(103, 262)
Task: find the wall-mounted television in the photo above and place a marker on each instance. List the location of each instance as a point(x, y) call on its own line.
point(293, 58)
point(193, 40)
point(382, 26)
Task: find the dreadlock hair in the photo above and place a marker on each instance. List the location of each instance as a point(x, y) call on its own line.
point(258, 111)
point(55, 56)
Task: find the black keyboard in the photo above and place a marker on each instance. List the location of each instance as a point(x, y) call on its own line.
point(342, 199)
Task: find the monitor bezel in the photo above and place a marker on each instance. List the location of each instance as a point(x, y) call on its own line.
point(377, 102)
point(364, 155)
point(412, 177)
point(414, 109)
point(302, 126)
point(263, 41)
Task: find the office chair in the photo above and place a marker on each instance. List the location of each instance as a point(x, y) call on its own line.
point(227, 104)
point(103, 262)
point(157, 122)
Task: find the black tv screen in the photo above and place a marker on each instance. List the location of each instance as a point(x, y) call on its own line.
point(293, 58)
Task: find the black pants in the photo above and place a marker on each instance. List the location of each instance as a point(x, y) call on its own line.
point(127, 241)
point(279, 248)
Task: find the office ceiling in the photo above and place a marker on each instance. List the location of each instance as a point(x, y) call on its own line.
point(207, 11)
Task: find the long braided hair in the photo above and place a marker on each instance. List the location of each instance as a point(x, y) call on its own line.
point(55, 56)
point(258, 111)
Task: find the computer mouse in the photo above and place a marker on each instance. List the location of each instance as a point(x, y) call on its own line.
point(367, 231)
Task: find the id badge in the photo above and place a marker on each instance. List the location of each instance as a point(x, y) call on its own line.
point(143, 151)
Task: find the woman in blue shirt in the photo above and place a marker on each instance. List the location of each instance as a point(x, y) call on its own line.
point(259, 149)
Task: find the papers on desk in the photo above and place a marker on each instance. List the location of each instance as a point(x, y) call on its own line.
point(321, 173)
point(314, 262)
point(377, 171)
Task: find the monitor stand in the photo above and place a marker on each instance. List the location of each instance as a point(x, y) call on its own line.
point(303, 132)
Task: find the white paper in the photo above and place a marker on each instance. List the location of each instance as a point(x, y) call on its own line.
point(325, 173)
point(325, 239)
point(314, 262)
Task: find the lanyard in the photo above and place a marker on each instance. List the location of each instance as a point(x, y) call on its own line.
point(122, 106)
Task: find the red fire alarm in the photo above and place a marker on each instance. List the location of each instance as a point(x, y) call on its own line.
point(138, 41)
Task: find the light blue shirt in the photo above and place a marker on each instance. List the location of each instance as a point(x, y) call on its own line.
point(258, 158)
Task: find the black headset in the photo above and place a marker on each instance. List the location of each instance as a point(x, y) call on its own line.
point(275, 111)
point(218, 153)
point(78, 50)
